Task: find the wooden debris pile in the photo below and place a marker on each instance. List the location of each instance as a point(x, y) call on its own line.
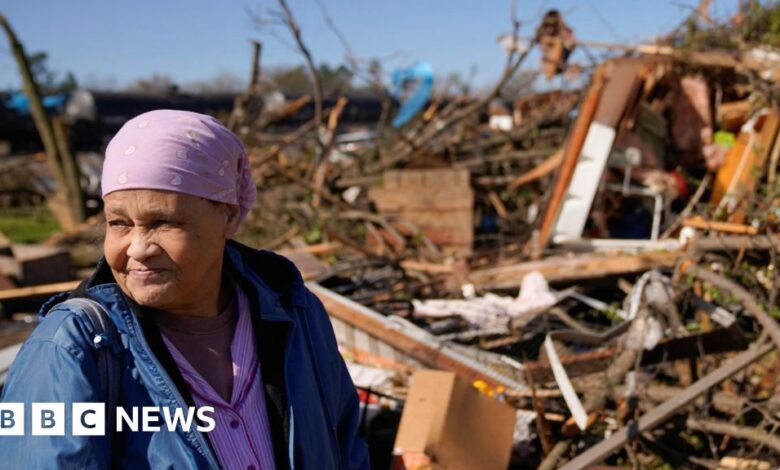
point(603, 259)
point(610, 272)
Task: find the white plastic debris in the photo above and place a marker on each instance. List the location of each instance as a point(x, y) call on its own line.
point(492, 310)
point(351, 194)
point(524, 429)
point(535, 296)
point(564, 384)
point(469, 291)
point(645, 332)
point(369, 377)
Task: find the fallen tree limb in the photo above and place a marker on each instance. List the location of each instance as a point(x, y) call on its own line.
point(748, 301)
point(721, 427)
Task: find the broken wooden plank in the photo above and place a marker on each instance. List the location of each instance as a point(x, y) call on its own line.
point(427, 267)
point(571, 154)
point(728, 227)
point(662, 412)
point(549, 165)
point(319, 249)
point(47, 289)
point(410, 339)
point(561, 269)
point(737, 243)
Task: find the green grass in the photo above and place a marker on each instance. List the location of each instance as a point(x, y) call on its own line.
point(27, 225)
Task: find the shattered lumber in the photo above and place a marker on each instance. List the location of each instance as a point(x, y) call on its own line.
point(700, 222)
point(410, 340)
point(570, 268)
point(668, 408)
point(47, 289)
point(737, 242)
point(549, 165)
point(571, 154)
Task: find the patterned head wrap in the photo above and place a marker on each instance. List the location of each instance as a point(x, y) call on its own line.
point(180, 151)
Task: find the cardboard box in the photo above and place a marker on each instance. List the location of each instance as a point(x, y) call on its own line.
point(448, 420)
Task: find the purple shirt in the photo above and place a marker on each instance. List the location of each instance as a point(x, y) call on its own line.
point(242, 437)
point(205, 343)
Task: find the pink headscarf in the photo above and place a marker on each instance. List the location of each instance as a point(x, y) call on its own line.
point(180, 151)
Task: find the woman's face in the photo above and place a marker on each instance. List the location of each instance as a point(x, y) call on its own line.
point(165, 248)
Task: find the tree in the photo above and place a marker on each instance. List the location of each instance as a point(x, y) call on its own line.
point(156, 83)
point(222, 82)
point(101, 83)
point(335, 80)
point(290, 80)
point(521, 84)
point(48, 80)
point(67, 203)
point(294, 80)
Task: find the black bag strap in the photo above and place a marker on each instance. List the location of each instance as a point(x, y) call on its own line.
point(104, 334)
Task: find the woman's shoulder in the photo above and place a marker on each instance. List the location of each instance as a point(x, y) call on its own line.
point(65, 325)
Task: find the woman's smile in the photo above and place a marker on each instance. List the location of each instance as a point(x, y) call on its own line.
point(145, 274)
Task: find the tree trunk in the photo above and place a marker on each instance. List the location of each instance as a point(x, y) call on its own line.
point(67, 204)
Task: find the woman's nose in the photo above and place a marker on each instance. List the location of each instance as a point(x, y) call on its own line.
point(142, 247)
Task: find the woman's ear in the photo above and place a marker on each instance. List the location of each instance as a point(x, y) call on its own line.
point(232, 214)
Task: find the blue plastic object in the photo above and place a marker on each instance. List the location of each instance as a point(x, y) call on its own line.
point(18, 102)
point(423, 74)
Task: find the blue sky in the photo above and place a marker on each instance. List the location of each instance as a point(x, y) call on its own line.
point(103, 41)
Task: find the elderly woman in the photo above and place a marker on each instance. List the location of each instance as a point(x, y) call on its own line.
point(201, 320)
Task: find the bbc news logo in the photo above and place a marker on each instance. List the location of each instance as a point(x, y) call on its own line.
point(89, 419)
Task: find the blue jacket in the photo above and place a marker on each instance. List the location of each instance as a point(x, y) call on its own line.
point(312, 403)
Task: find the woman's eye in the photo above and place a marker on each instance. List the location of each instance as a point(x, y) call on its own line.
point(117, 223)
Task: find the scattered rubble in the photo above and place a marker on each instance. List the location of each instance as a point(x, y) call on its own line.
point(603, 261)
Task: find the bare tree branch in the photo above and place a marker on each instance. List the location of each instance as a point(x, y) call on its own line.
point(295, 30)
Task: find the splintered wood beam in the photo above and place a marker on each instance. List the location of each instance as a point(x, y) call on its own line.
point(562, 269)
point(728, 227)
point(46, 289)
point(410, 340)
point(571, 154)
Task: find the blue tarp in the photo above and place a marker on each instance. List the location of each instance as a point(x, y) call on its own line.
point(18, 102)
point(423, 74)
